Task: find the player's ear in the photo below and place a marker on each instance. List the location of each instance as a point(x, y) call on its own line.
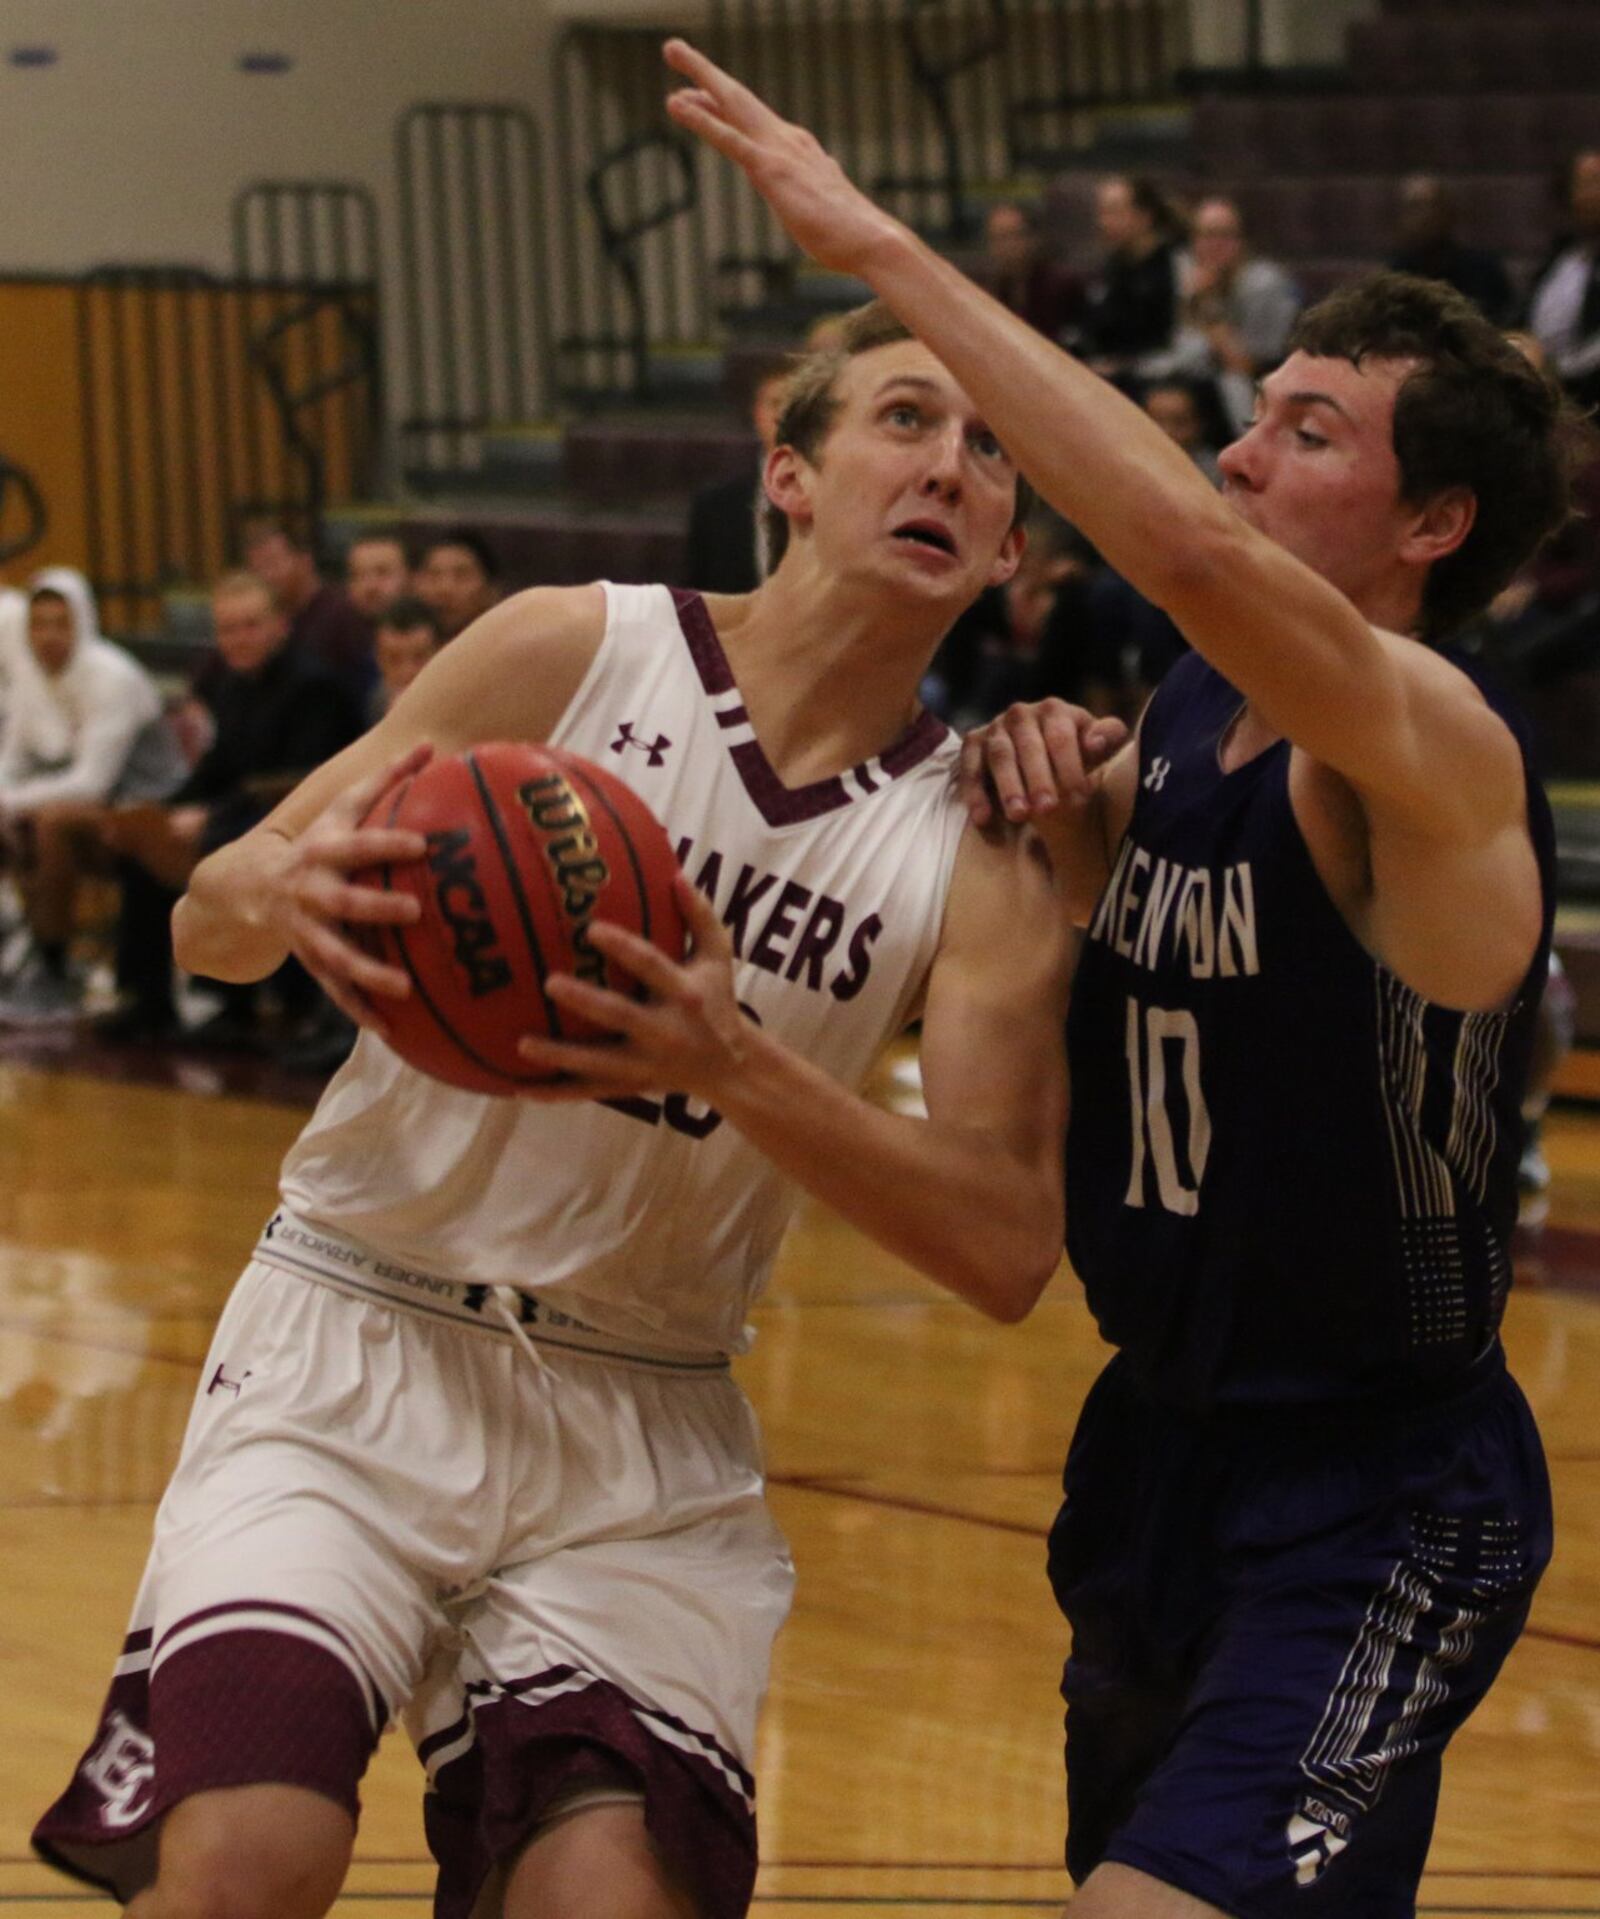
point(787, 480)
point(1441, 526)
point(1009, 558)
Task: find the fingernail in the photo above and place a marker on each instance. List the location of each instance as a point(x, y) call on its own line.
point(1044, 802)
point(1016, 809)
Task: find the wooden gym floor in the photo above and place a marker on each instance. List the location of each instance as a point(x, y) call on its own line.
point(910, 1753)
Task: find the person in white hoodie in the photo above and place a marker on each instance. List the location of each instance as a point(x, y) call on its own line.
point(83, 728)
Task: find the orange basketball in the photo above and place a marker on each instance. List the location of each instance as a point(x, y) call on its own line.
point(527, 847)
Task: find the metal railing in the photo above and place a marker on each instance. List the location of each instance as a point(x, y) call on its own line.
point(205, 401)
point(933, 105)
point(475, 280)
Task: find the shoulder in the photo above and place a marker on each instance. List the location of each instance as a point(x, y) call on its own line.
point(1004, 879)
point(536, 624)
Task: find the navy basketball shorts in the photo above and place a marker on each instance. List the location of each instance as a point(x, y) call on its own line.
point(1278, 1622)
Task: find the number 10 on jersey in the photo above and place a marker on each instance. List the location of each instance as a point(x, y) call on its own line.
point(1151, 1031)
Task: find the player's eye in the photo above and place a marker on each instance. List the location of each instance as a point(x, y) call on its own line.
point(903, 413)
point(1307, 438)
point(987, 447)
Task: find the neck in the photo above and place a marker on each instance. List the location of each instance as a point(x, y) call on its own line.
point(829, 674)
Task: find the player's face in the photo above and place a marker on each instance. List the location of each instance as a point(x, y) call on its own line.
point(375, 576)
point(1317, 472)
point(911, 489)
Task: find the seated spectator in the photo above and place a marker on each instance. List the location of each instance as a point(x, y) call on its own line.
point(376, 574)
point(85, 727)
point(280, 712)
point(1132, 310)
point(13, 637)
point(1177, 408)
point(322, 622)
point(1426, 244)
point(1237, 309)
point(724, 553)
point(1021, 275)
point(459, 577)
point(1564, 304)
point(408, 636)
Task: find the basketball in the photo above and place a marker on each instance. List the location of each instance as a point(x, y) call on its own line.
point(527, 847)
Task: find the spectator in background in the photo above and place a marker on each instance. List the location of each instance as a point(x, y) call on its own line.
point(85, 726)
point(724, 552)
point(1132, 310)
point(459, 577)
point(408, 636)
point(1176, 407)
point(13, 637)
point(376, 574)
point(1426, 244)
point(1564, 304)
point(280, 712)
point(1236, 310)
point(322, 622)
point(1021, 275)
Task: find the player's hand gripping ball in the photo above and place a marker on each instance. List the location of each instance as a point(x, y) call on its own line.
point(527, 847)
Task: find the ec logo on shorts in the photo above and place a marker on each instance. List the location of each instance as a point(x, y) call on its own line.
point(1314, 1843)
point(122, 1769)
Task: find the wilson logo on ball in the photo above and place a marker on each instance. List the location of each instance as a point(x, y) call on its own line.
point(527, 848)
point(465, 911)
point(557, 814)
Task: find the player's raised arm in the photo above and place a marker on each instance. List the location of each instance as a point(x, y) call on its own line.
point(284, 886)
point(971, 1195)
point(1312, 666)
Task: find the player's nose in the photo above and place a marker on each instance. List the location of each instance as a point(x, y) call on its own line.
point(946, 452)
point(1240, 462)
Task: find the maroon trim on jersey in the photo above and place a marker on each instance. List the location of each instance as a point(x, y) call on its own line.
point(526, 1755)
point(782, 805)
point(244, 1708)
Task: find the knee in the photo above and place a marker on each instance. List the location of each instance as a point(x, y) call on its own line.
point(257, 1852)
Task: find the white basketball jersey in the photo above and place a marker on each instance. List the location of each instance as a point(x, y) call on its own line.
point(661, 1222)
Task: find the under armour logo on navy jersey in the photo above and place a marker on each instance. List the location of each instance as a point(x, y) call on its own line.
point(657, 752)
point(1156, 778)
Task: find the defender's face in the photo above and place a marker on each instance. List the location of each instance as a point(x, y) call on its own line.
point(1317, 471)
point(911, 488)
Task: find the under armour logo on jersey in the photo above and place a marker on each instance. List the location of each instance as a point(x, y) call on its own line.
point(1156, 778)
point(1313, 1845)
point(657, 752)
point(220, 1381)
point(122, 1769)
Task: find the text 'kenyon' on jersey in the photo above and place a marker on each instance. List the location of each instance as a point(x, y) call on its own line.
point(1289, 1176)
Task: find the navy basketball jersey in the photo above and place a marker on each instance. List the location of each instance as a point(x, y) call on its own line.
point(1289, 1176)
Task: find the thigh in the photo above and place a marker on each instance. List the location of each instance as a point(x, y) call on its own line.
point(253, 1852)
point(635, 1623)
point(290, 1599)
point(1303, 1778)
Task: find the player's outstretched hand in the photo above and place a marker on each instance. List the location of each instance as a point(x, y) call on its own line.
point(1033, 759)
point(315, 903)
point(806, 188)
point(689, 1036)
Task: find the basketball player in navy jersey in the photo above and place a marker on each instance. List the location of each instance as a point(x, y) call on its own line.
point(1306, 1507)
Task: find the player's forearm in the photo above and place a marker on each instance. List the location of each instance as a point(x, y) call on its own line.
point(223, 926)
point(955, 1203)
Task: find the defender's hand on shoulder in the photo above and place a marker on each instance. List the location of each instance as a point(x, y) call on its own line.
point(1034, 758)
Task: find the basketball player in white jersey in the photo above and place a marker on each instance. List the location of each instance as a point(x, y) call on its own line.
point(466, 1449)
